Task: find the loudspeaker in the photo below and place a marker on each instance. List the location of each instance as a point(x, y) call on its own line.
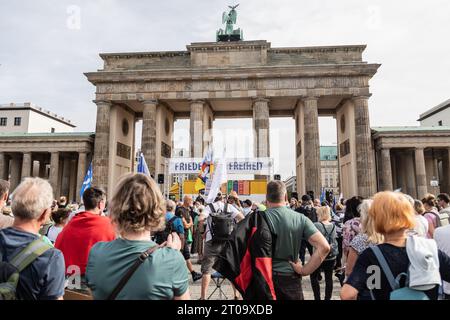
point(160, 179)
point(277, 177)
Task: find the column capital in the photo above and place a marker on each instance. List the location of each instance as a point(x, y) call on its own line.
point(309, 98)
point(99, 102)
point(149, 101)
point(361, 97)
point(260, 99)
point(199, 101)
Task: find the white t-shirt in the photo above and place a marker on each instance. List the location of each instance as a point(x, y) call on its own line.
point(421, 226)
point(442, 238)
point(53, 233)
point(218, 206)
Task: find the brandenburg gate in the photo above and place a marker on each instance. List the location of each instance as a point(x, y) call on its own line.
point(212, 80)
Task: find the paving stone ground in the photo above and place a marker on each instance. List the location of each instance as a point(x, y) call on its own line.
point(195, 288)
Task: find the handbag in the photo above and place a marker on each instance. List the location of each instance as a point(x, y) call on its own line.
point(140, 260)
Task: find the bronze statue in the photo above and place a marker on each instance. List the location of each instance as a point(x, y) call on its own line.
point(229, 34)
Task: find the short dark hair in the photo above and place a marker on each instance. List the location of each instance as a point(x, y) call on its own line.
point(92, 197)
point(60, 215)
point(248, 202)
point(445, 197)
point(306, 198)
point(276, 191)
point(4, 187)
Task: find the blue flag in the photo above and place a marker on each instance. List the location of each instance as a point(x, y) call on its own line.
point(142, 165)
point(322, 195)
point(87, 181)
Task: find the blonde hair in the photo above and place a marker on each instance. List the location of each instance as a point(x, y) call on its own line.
point(323, 213)
point(367, 223)
point(137, 204)
point(391, 212)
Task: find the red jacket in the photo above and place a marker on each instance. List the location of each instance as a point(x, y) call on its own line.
point(81, 233)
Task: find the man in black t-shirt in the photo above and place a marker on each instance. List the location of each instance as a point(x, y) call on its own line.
point(309, 211)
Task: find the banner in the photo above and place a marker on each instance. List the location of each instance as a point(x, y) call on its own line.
point(262, 166)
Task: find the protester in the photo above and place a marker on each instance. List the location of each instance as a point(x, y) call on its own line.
point(338, 220)
point(83, 231)
point(62, 203)
point(421, 227)
point(316, 203)
point(419, 258)
point(443, 200)
point(328, 230)
point(352, 223)
point(42, 278)
point(136, 209)
point(199, 230)
point(213, 246)
point(307, 209)
point(442, 238)
point(293, 204)
point(366, 238)
point(431, 214)
point(173, 223)
point(60, 218)
point(233, 199)
point(184, 212)
point(290, 228)
point(5, 221)
point(247, 207)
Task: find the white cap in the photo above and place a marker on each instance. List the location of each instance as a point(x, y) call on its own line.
point(424, 263)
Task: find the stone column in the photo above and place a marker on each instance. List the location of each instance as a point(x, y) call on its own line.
point(421, 175)
point(196, 128)
point(312, 146)
point(447, 166)
point(100, 161)
point(261, 129)
point(365, 169)
point(16, 168)
point(4, 166)
point(148, 145)
point(42, 169)
point(385, 170)
point(26, 165)
point(65, 181)
point(81, 173)
point(54, 172)
point(73, 180)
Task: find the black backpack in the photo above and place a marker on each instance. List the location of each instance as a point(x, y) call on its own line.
point(161, 236)
point(334, 251)
point(221, 224)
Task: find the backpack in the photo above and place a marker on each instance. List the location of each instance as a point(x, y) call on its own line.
point(161, 236)
point(442, 219)
point(221, 224)
point(10, 271)
point(334, 251)
point(397, 293)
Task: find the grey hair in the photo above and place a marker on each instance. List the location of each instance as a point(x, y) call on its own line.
point(170, 205)
point(31, 198)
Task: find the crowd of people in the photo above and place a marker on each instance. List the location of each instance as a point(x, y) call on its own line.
point(137, 245)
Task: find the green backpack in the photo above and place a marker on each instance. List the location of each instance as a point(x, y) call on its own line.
point(9, 271)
